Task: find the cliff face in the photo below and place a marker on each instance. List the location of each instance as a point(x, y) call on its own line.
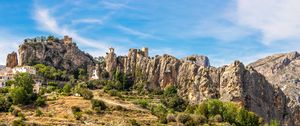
point(196, 83)
point(56, 54)
point(12, 60)
point(284, 70)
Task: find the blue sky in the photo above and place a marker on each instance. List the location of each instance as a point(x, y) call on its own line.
point(223, 30)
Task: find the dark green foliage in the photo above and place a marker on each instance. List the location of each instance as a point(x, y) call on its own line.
point(133, 122)
point(4, 104)
point(98, 105)
point(172, 100)
point(38, 112)
point(160, 112)
point(142, 102)
point(18, 122)
point(183, 118)
point(85, 93)
point(120, 82)
point(218, 111)
point(24, 80)
point(40, 101)
point(67, 88)
point(76, 112)
point(48, 72)
point(19, 96)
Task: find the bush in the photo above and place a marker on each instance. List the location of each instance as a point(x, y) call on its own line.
point(19, 96)
point(76, 112)
point(98, 105)
point(4, 104)
point(40, 101)
point(18, 122)
point(142, 102)
point(86, 94)
point(274, 123)
point(171, 118)
point(160, 112)
point(171, 100)
point(38, 112)
point(67, 89)
point(183, 118)
point(133, 122)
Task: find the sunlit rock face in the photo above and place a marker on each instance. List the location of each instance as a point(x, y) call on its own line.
point(196, 81)
point(56, 54)
point(12, 60)
point(283, 70)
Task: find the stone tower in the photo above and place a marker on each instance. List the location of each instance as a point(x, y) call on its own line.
point(67, 39)
point(145, 51)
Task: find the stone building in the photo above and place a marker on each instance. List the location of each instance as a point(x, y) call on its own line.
point(67, 40)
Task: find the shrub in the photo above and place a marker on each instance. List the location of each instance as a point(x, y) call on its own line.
point(18, 122)
point(86, 94)
point(67, 88)
point(21, 115)
point(142, 102)
point(76, 112)
point(274, 123)
point(217, 118)
point(183, 118)
point(133, 122)
point(172, 100)
point(15, 112)
point(98, 105)
point(38, 112)
point(40, 101)
point(171, 118)
point(19, 96)
point(160, 112)
point(4, 104)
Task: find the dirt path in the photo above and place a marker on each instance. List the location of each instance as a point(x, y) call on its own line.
point(115, 102)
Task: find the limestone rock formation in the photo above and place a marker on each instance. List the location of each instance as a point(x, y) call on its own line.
point(198, 60)
point(196, 83)
point(56, 54)
point(283, 70)
point(12, 60)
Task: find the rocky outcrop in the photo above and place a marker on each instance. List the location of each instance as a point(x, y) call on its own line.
point(56, 54)
point(198, 81)
point(198, 60)
point(283, 70)
point(12, 60)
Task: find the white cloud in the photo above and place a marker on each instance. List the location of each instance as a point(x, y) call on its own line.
point(275, 19)
point(8, 43)
point(131, 31)
point(48, 23)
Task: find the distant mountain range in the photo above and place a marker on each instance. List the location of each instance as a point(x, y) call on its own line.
point(2, 66)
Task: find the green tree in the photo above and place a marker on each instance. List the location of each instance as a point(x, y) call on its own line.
point(24, 80)
point(67, 88)
point(19, 95)
point(4, 104)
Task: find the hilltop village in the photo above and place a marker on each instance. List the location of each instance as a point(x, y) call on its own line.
point(67, 86)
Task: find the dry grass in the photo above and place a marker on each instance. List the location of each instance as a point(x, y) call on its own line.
point(58, 112)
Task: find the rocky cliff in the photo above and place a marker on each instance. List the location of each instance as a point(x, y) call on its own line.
point(197, 81)
point(12, 60)
point(56, 54)
point(284, 70)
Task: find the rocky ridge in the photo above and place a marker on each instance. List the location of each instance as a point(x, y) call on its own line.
point(196, 83)
point(284, 70)
point(196, 80)
point(57, 54)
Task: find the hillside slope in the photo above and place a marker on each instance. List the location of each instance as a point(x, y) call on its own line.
point(284, 70)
